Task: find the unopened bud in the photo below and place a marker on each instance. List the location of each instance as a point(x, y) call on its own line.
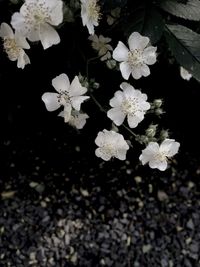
point(164, 134)
point(111, 64)
point(151, 131)
point(157, 103)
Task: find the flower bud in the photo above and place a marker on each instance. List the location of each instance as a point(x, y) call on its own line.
point(157, 103)
point(111, 64)
point(151, 131)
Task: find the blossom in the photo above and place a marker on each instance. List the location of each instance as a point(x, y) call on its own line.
point(157, 155)
point(14, 45)
point(101, 45)
point(136, 59)
point(90, 13)
point(77, 119)
point(35, 19)
point(111, 144)
point(129, 102)
point(69, 95)
point(185, 74)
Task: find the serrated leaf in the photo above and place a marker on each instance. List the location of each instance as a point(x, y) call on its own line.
point(190, 10)
point(147, 21)
point(185, 46)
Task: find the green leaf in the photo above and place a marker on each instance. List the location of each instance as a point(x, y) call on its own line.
point(145, 20)
point(185, 46)
point(190, 10)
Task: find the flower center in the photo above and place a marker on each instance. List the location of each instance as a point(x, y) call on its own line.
point(135, 57)
point(129, 106)
point(12, 49)
point(36, 14)
point(160, 156)
point(109, 149)
point(63, 98)
point(93, 10)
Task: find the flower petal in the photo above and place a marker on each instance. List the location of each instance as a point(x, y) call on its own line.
point(149, 55)
point(120, 53)
point(137, 41)
point(117, 99)
point(48, 36)
point(76, 101)
point(61, 83)
point(145, 71)
point(99, 152)
point(116, 115)
point(169, 147)
point(76, 89)
point(51, 101)
point(6, 31)
point(125, 69)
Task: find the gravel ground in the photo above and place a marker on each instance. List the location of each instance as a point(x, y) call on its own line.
point(105, 216)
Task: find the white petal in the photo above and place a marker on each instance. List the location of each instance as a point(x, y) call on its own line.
point(99, 152)
point(61, 83)
point(169, 147)
point(161, 165)
point(185, 74)
point(67, 112)
point(56, 15)
point(145, 70)
point(117, 99)
point(132, 121)
point(137, 41)
point(149, 55)
point(76, 89)
point(18, 23)
point(136, 72)
point(51, 101)
point(125, 86)
point(149, 152)
point(100, 139)
point(121, 154)
point(116, 115)
point(125, 69)
point(22, 60)
point(21, 40)
point(6, 31)
point(48, 36)
point(120, 53)
point(76, 101)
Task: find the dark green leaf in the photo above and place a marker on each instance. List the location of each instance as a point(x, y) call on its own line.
point(185, 46)
point(190, 10)
point(147, 21)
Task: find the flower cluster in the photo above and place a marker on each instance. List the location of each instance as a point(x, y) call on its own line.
point(34, 22)
point(37, 21)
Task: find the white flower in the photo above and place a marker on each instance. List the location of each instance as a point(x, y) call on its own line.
point(111, 144)
point(131, 103)
point(69, 95)
point(157, 155)
point(90, 13)
point(35, 19)
point(77, 119)
point(185, 74)
point(14, 45)
point(135, 59)
point(101, 45)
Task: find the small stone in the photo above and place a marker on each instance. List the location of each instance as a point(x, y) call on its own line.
point(146, 248)
point(138, 179)
point(190, 224)
point(162, 196)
